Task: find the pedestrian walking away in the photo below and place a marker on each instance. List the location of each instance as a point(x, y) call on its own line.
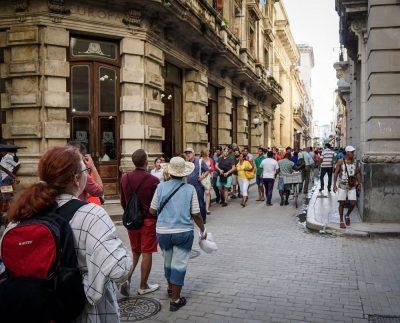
point(259, 181)
point(225, 167)
point(270, 170)
point(143, 240)
point(177, 207)
point(326, 166)
point(243, 167)
point(199, 174)
point(306, 166)
point(235, 186)
point(348, 171)
point(101, 257)
point(286, 166)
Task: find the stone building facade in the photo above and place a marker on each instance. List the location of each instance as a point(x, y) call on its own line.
point(369, 87)
point(159, 75)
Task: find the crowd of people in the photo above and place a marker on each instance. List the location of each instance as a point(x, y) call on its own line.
point(173, 197)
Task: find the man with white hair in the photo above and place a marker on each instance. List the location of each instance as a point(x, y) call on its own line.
point(348, 171)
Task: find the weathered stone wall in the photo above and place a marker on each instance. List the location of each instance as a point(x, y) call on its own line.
point(36, 98)
point(196, 100)
point(141, 106)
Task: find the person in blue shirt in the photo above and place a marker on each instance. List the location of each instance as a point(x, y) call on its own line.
point(196, 177)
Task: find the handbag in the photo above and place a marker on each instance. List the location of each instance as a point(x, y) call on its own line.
point(206, 182)
point(249, 174)
point(351, 180)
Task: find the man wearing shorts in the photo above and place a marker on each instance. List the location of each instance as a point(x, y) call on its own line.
point(259, 181)
point(350, 181)
point(143, 240)
point(225, 167)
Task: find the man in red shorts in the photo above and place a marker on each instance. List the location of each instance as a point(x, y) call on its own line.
point(143, 240)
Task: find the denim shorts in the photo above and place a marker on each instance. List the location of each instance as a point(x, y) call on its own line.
point(176, 249)
point(227, 184)
point(282, 186)
point(259, 180)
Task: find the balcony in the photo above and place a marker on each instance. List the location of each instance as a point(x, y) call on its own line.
point(300, 117)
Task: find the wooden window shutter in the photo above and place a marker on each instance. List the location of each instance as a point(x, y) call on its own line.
point(220, 4)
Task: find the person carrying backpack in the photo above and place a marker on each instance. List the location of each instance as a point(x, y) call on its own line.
point(142, 235)
point(62, 256)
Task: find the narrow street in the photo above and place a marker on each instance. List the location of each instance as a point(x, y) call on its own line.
point(269, 268)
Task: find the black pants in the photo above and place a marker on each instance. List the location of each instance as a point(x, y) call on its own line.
point(269, 187)
point(326, 170)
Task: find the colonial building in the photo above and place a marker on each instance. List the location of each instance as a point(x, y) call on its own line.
point(369, 87)
point(159, 75)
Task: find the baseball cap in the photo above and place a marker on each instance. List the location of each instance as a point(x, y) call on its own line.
point(189, 149)
point(350, 148)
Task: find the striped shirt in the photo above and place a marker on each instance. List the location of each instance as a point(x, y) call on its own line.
point(327, 158)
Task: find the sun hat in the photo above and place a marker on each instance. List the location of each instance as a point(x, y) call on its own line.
point(179, 168)
point(189, 149)
point(350, 148)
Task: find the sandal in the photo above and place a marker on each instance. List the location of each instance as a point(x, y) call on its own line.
point(347, 220)
point(342, 225)
point(174, 306)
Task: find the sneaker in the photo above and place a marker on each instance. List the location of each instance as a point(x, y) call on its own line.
point(124, 288)
point(174, 306)
point(150, 289)
point(224, 204)
point(286, 202)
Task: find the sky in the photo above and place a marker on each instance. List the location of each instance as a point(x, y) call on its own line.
point(315, 22)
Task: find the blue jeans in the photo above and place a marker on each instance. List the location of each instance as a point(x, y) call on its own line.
point(202, 203)
point(176, 249)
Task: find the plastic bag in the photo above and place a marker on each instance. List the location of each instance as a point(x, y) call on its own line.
point(208, 245)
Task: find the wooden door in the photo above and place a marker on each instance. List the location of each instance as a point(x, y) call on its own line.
point(94, 117)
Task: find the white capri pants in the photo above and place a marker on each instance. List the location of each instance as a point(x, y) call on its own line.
point(244, 186)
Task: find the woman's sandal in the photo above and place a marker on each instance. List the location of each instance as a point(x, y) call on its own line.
point(347, 220)
point(342, 225)
point(174, 306)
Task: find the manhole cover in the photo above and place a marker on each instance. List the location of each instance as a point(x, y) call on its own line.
point(195, 253)
point(138, 309)
point(383, 319)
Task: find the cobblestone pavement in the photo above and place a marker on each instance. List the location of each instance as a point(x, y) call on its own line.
point(269, 268)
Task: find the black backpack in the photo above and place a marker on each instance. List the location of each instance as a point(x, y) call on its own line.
point(133, 218)
point(42, 282)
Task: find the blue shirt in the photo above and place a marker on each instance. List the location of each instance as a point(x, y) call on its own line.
point(177, 213)
point(193, 178)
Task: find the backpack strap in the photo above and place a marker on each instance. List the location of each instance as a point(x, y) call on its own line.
point(67, 211)
point(169, 197)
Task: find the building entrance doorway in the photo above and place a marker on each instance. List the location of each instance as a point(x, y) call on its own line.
point(172, 119)
point(94, 112)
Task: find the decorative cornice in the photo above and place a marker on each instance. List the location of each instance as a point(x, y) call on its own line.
point(58, 6)
point(373, 159)
point(133, 18)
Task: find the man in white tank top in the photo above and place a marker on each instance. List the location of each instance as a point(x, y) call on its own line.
point(348, 171)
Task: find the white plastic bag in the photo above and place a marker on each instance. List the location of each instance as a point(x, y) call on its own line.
point(208, 245)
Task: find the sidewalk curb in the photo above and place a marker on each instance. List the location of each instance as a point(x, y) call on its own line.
point(314, 225)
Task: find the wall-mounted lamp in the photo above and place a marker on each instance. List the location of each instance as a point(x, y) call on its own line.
point(169, 97)
point(256, 120)
point(162, 95)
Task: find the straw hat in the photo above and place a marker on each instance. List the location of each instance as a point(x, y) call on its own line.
point(179, 168)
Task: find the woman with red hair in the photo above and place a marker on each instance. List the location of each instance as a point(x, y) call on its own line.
point(102, 258)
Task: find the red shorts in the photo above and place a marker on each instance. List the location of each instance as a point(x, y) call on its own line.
point(144, 239)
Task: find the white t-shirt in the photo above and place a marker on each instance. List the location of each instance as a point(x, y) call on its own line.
point(269, 167)
point(159, 173)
